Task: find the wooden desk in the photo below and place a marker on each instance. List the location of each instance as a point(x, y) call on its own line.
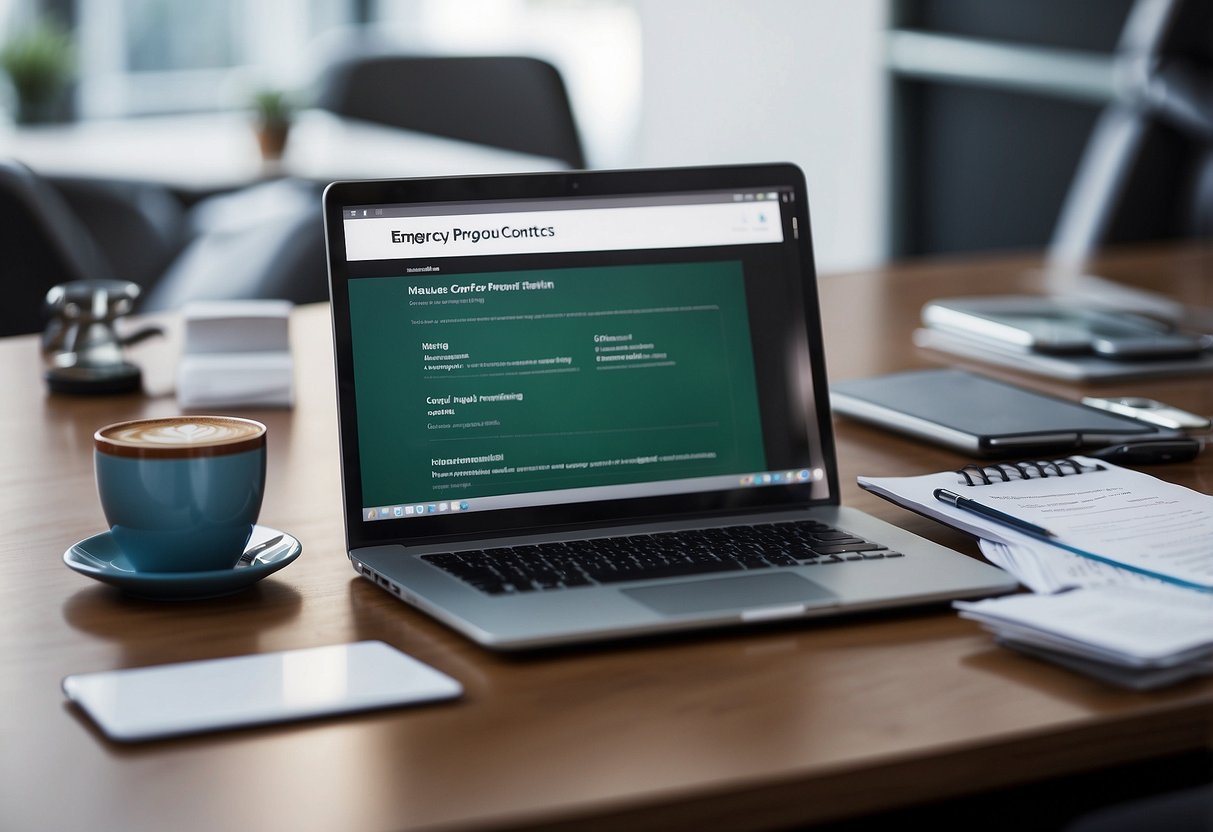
point(784, 725)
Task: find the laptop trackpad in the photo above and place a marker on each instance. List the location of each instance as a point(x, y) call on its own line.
point(744, 593)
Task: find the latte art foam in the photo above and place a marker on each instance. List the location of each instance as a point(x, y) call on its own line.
point(184, 433)
point(180, 435)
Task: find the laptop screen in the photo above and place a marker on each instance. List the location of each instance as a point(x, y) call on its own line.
point(522, 361)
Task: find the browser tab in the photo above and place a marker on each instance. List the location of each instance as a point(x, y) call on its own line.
point(554, 231)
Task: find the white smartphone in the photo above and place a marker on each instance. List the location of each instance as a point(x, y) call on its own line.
point(167, 700)
point(1149, 410)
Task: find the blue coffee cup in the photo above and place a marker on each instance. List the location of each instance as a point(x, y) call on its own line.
point(181, 494)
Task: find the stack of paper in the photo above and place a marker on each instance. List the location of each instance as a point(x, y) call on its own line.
point(237, 354)
point(1131, 636)
point(1124, 572)
point(1044, 568)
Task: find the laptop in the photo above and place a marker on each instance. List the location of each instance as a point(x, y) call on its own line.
point(578, 406)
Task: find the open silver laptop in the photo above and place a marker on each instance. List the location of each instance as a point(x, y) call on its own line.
point(588, 405)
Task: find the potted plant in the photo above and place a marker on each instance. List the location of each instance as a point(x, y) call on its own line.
point(39, 62)
point(273, 113)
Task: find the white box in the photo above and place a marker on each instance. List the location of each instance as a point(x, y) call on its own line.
point(236, 326)
point(237, 354)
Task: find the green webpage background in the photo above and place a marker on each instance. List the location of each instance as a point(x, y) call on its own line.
point(676, 399)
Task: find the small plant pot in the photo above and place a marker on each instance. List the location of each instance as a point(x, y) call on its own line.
point(271, 139)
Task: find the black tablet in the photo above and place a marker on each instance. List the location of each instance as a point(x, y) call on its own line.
point(984, 417)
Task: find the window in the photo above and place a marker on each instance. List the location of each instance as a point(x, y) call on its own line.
point(155, 56)
point(159, 56)
point(596, 45)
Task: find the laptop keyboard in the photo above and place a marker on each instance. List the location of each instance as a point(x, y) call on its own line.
point(607, 560)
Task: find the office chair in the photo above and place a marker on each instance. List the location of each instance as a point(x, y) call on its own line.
point(140, 227)
point(515, 103)
point(1163, 65)
point(43, 244)
point(56, 231)
point(262, 241)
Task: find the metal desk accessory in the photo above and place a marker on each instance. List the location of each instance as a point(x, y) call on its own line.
point(81, 348)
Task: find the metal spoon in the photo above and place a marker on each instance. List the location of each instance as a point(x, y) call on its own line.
point(250, 555)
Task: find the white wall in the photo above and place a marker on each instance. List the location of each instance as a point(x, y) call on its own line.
point(776, 80)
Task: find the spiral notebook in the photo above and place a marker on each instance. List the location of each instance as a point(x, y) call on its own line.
point(1081, 505)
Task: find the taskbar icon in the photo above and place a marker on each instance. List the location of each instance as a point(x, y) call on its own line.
point(796, 477)
point(414, 510)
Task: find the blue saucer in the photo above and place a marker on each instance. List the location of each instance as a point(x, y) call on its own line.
point(99, 557)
